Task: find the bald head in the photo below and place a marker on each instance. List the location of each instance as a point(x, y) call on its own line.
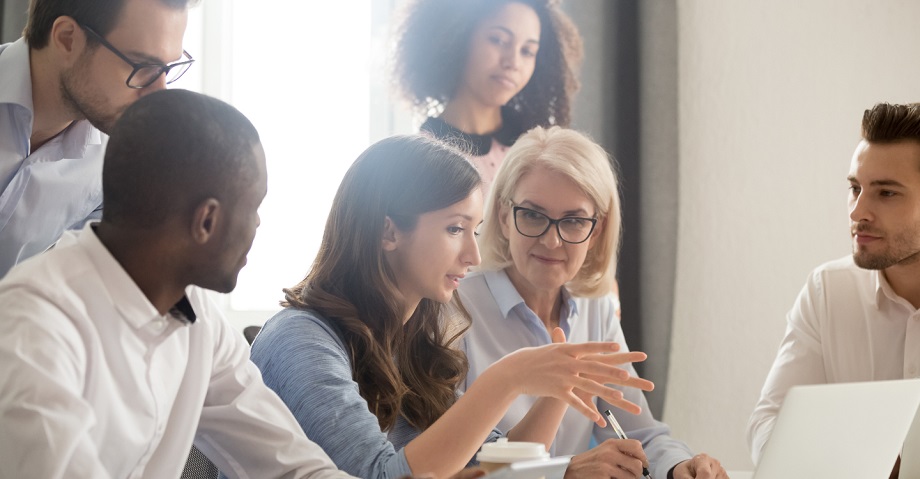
point(171, 150)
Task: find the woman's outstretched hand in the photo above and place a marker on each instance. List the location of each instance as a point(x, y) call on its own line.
point(575, 373)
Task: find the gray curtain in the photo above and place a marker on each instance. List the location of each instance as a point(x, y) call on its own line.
point(12, 19)
point(628, 103)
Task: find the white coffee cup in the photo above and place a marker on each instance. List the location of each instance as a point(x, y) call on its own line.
point(494, 455)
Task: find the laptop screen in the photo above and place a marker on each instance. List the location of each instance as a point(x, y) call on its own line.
point(840, 430)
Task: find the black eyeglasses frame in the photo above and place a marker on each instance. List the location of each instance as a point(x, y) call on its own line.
point(552, 221)
point(138, 66)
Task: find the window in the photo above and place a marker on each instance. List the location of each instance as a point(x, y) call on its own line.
point(309, 75)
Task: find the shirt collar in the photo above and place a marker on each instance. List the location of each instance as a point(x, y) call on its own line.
point(16, 75)
point(478, 145)
point(507, 296)
point(81, 135)
point(883, 290)
point(129, 300)
point(16, 89)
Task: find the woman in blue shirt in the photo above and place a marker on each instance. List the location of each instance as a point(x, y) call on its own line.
point(549, 244)
point(365, 353)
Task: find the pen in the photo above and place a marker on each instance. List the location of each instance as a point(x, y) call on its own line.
point(622, 435)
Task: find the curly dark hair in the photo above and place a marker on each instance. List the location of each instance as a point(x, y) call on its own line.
point(432, 45)
point(410, 369)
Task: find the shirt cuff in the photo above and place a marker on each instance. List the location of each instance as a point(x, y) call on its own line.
point(671, 470)
point(398, 466)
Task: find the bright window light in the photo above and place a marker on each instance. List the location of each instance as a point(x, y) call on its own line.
point(309, 75)
point(300, 72)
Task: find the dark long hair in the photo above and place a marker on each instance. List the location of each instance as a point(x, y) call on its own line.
point(432, 45)
point(410, 369)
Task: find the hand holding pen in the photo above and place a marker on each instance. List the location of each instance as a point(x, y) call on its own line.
point(622, 435)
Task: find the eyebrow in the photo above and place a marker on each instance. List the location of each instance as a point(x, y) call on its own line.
point(460, 215)
point(852, 179)
point(147, 58)
point(532, 205)
point(510, 33)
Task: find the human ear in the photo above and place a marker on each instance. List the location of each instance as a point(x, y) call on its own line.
point(205, 220)
point(67, 38)
point(504, 221)
point(390, 235)
point(597, 233)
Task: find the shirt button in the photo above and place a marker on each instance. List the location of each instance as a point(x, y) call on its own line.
point(159, 325)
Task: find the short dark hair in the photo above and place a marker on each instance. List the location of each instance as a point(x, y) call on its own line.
point(432, 45)
point(885, 123)
point(100, 15)
point(170, 151)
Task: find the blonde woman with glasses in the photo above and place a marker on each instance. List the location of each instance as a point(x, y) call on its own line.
point(549, 246)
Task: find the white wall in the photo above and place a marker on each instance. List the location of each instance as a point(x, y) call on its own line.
point(771, 94)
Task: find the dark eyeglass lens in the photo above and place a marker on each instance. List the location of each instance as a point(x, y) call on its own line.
point(531, 223)
point(144, 76)
point(177, 71)
point(575, 229)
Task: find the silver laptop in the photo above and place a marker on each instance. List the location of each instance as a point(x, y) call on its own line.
point(910, 454)
point(841, 430)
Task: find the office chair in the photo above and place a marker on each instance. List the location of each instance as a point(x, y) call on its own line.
point(250, 332)
point(198, 466)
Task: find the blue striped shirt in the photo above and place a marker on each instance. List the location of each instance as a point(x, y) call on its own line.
point(47, 190)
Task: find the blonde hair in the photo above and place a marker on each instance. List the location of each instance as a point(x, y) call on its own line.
point(576, 156)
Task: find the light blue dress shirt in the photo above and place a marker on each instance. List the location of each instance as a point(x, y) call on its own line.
point(502, 323)
point(51, 189)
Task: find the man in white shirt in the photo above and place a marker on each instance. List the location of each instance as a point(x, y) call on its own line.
point(113, 360)
point(856, 319)
point(62, 86)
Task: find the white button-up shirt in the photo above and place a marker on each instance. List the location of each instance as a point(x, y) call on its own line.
point(96, 383)
point(502, 324)
point(53, 188)
point(847, 325)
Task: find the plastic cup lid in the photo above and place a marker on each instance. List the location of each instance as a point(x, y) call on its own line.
point(504, 450)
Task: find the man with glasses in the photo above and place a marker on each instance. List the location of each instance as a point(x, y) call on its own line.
point(62, 87)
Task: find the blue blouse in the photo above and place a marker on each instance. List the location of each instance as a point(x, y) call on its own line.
point(303, 359)
point(47, 190)
point(502, 324)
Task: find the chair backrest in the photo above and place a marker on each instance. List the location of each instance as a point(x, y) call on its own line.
point(198, 466)
point(250, 332)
